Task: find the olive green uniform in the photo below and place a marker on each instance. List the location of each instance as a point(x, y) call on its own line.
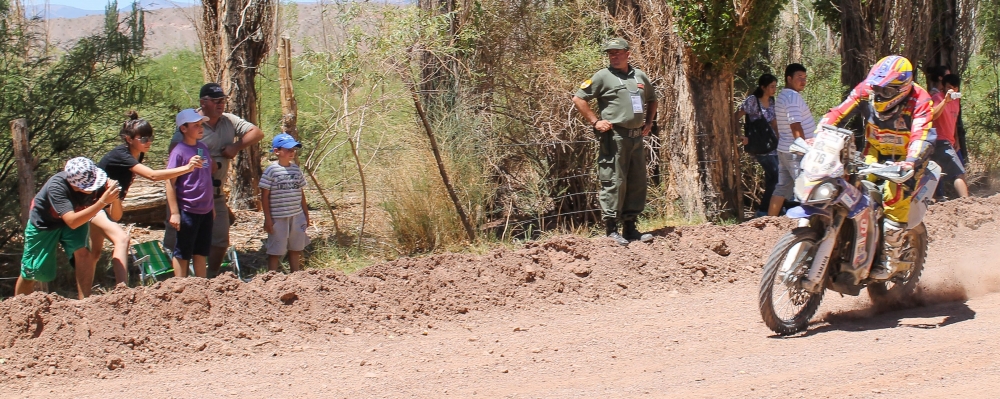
point(621, 163)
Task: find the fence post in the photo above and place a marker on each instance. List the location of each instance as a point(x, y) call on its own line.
point(25, 166)
point(289, 107)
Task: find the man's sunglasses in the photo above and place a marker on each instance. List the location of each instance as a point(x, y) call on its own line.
point(144, 139)
point(216, 101)
point(885, 91)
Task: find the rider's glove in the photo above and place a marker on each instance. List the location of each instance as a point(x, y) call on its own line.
point(905, 166)
point(919, 151)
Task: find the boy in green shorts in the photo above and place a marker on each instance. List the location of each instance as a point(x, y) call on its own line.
point(60, 214)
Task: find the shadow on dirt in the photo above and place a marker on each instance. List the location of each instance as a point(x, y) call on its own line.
point(932, 316)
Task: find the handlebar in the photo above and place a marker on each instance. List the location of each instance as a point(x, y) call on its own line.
point(893, 173)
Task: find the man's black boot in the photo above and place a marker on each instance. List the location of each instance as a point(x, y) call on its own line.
point(611, 227)
point(632, 234)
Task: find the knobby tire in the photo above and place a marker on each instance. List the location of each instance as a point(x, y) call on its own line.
point(801, 318)
point(883, 294)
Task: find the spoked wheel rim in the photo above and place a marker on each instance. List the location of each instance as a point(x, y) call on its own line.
point(788, 299)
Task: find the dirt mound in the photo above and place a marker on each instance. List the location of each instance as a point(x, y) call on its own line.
point(185, 320)
point(191, 320)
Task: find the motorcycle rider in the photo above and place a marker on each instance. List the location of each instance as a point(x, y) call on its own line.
point(897, 114)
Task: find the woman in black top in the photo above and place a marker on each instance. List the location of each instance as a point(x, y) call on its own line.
point(122, 164)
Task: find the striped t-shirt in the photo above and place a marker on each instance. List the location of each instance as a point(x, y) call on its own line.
point(285, 183)
point(790, 108)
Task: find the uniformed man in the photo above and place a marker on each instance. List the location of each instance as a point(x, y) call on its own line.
point(627, 103)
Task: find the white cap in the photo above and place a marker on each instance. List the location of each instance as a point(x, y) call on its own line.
point(83, 174)
point(188, 116)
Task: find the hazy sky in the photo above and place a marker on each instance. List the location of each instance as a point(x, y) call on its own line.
point(99, 4)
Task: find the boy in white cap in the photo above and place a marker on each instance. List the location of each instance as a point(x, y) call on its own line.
point(190, 197)
point(286, 214)
point(60, 214)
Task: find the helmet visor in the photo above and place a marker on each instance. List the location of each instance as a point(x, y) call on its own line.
point(885, 91)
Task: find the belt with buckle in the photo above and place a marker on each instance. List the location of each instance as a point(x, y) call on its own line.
point(632, 133)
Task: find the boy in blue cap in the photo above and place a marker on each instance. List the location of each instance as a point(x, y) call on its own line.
point(286, 214)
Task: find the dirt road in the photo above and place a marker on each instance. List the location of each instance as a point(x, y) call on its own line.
point(701, 340)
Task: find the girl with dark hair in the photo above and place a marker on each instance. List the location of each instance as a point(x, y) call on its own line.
point(760, 104)
point(122, 164)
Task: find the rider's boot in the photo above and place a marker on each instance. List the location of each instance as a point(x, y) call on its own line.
point(611, 228)
point(632, 234)
point(894, 252)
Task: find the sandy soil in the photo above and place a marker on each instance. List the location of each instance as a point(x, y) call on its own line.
point(566, 317)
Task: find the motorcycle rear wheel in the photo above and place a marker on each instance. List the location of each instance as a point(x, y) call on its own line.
point(902, 286)
point(790, 311)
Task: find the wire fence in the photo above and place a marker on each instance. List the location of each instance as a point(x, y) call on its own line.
point(563, 197)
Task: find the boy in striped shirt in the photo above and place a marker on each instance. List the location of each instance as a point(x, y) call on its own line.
point(286, 214)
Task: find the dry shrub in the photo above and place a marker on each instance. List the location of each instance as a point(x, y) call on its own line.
point(421, 214)
point(983, 168)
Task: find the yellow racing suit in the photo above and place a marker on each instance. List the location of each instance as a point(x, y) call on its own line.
point(907, 136)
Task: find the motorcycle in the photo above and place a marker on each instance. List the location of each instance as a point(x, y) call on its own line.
point(838, 238)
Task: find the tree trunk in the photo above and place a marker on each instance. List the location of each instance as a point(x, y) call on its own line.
point(25, 167)
point(210, 38)
point(700, 147)
point(438, 81)
point(854, 44)
point(796, 55)
point(237, 36)
point(873, 29)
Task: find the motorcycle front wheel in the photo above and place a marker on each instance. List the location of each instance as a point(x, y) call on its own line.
point(785, 307)
point(902, 286)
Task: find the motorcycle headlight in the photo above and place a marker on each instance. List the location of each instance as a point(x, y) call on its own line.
point(824, 192)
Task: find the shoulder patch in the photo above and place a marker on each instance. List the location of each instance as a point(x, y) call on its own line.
point(640, 85)
point(586, 84)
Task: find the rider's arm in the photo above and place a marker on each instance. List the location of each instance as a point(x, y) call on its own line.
point(922, 137)
point(839, 115)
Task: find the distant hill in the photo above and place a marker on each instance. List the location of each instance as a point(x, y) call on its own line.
point(53, 11)
point(174, 28)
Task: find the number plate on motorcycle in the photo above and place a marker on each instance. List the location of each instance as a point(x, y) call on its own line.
point(823, 159)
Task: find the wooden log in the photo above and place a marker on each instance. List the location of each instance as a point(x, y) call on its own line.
point(25, 167)
point(146, 203)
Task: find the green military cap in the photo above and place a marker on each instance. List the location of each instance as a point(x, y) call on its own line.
point(615, 44)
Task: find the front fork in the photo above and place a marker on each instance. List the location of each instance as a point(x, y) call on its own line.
point(815, 276)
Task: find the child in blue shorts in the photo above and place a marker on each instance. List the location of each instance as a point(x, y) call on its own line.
point(60, 214)
point(190, 197)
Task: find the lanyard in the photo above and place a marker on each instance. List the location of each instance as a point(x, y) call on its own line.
point(626, 86)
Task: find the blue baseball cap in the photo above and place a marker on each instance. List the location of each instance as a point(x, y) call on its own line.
point(285, 140)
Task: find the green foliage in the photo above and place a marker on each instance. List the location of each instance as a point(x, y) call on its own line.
point(719, 33)
point(981, 96)
point(981, 116)
point(64, 97)
point(828, 13)
point(824, 90)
